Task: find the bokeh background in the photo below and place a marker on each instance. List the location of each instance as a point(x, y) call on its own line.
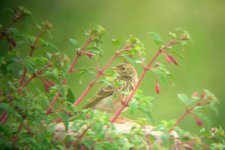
point(202, 67)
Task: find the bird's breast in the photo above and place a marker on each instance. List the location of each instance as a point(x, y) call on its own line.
point(109, 104)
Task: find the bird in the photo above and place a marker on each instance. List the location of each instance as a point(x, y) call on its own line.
point(111, 97)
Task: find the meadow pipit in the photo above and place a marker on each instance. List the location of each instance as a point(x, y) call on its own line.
point(110, 98)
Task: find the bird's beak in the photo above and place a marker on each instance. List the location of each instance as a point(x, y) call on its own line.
point(113, 68)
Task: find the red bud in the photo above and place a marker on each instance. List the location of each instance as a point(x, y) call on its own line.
point(195, 94)
point(198, 121)
point(168, 59)
point(171, 59)
point(90, 55)
point(157, 88)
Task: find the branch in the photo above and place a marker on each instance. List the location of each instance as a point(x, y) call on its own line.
point(145, 69)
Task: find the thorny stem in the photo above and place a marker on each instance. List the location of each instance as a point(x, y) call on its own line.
point(88, 41)
point(145, 69)
point(99, 74)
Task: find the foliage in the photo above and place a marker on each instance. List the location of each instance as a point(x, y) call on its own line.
point(29, 115)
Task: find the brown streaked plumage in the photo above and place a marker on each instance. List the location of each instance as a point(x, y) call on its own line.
point(110, 98)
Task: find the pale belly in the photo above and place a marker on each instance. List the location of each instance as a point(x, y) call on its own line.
point(108, 104)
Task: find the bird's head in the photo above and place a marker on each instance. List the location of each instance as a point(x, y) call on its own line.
point(126, 70)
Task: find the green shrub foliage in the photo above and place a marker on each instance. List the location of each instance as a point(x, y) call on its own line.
point(35, 97)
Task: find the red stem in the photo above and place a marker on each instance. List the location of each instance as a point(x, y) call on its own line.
point(49, 110)
point(145, 69)
point(181, 118)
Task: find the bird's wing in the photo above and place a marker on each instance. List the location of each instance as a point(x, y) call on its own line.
point(103, 93)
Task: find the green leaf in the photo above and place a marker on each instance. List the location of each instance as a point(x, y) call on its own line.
point(52, 75)
point(74, 42)
point(165, 139)
point(156, 38)
point(132, 107)
point(62, 91)
point(70, 96)
point(65, 119)
point(24, 10)
point(13, 30)
point(29, 64)
point(97, 51)
point(194, 100)
point(117, 42)
point(172, 34)
point(183, 98)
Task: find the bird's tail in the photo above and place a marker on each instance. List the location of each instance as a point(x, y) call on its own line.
point(92, 102)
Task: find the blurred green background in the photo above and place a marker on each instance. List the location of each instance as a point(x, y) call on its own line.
point(202, 67)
